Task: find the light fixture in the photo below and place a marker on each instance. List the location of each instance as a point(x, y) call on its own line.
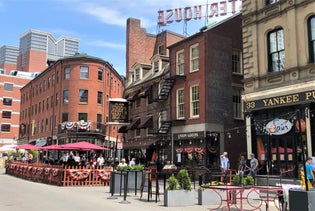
point(190, 142)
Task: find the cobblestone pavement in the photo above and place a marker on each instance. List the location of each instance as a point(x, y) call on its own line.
point(18, 194)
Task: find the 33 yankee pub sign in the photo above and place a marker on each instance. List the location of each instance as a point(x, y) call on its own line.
point(291, 99)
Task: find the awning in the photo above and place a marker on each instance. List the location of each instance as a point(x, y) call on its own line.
point(145, 92)
point(133, 96)
point(138, 144)
point(123, 129)
point(148, 122)
point(134, 124)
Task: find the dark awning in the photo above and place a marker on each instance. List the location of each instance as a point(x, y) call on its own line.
point(134, 124)
point(133, 96)
point(148, 122)
point(145, 92)
point(123, 129)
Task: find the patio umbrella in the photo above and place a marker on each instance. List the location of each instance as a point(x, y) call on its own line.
point(6, 148)
point(83, 145)
point(27, 147)
point(52, 147)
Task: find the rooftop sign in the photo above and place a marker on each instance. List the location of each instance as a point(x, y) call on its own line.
point(211, 10)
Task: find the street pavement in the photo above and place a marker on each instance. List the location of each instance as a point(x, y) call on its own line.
point(22, 195)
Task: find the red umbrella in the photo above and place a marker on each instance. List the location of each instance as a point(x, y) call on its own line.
point(52, 147)
point(83, 145)
point(27, 147)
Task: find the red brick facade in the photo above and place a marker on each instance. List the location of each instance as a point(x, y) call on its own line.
point(43, 102)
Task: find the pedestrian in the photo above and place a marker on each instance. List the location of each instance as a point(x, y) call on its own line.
point(309, 170)
point(253, 165)
point(225, 165)
point(100, 160)
point(123, 163)
point(242, 165)
point(132, 162)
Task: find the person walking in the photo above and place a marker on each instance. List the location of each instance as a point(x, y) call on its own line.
point(242, 165)
point(309, 170)
point(225, 165)
point(253, 166)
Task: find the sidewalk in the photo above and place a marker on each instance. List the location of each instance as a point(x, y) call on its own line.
point(18, 194)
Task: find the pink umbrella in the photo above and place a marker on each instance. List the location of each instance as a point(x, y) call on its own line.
point(27, 147)
point(83, 145)
point(52, 147)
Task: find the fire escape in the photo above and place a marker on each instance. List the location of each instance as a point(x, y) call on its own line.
point(165, 90)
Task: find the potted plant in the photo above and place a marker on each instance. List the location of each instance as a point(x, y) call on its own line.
point(179, 191)
point(134, 176)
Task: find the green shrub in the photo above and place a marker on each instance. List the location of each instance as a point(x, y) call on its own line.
point(184, 180)
point(172, 183)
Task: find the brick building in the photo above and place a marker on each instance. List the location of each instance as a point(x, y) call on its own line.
point(206, 95)
point(147, 91)
point(69, 101)
point(10, 106)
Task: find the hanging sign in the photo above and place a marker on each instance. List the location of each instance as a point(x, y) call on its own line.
point(278, 127)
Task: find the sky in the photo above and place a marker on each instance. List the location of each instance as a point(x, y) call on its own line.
point(100, 25)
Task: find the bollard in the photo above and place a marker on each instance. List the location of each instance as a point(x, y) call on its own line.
point(112, 186)
point(125, 190)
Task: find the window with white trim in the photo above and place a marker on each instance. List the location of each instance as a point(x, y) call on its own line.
point(162, 118)
point(84, 72)
point(194, 101)
point(194, 58)
point(66, 73)
point(180, 62)
point(137, 74)
point(156, 66)
point(236, 61)
point(311, 39)
point(180, 111)
point(276, 53)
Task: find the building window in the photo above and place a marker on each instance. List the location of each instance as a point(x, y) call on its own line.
point(311, 32)
point(271, 1)
point(47, 103)
point(137, 102)
point(194, 58)
point(83, 96)
point(64, 117)
point(44, 86)
point(7, 101)
point(5, 127)
point(100, 97)
point(137, 74)
point(6, 114)
point(161, 50)
point(138, 132)
point(156, 66)
point(48, 83)
point(236, 61)
point(65, 96)
point(66, 73)
point(100, 74)
point(180, 104)
point(276, 57)
point(8, 87)
point(99, 118)
point(82, 116)
point(180, 62)
point(194, 101)
point(84, 72)
point(237, 104)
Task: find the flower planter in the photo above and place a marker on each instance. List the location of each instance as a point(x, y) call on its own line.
point(118, 181)
point(210, 197)
point(176, 198)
